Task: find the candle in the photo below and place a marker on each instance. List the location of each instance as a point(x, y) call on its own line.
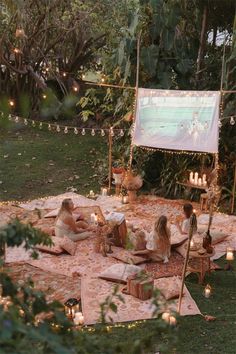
point(191, 177)
point(192, 244)
point(195, 178)
point(91, 193)
point(199, 181)
point(204, 183)
point(78, 319)
point(204, 178)
point(229, 254)
point(207, 291)
point(125, 199)
point(104, 192)
point(172, 320)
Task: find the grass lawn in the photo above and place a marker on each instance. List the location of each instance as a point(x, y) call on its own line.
point(36, 163)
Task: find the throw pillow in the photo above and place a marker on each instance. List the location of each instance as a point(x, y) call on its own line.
point(55, 249)
point(68, 245)
point(119, 273)
point(169, 287)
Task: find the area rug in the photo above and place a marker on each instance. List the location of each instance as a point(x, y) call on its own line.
point(94, 292)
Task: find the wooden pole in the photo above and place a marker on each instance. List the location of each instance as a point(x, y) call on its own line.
point(110, 159)
point(233, 191)
point(136, 95)
point(190, 234)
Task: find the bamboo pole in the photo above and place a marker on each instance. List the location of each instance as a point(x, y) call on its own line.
point(192, 225)
point(233, 191)
point(108, 85)
point(136, 95)
point(110, 160)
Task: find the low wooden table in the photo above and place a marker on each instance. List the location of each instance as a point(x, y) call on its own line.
point(202, 264)
point(190, 185)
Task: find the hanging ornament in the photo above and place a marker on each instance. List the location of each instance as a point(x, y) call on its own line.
point(122, 132)
point(93, 132)
point(232, 121)
point(76, 131)
point(103, 133)
point(83, 132)
point(66, 130)
point(58, 129)
point(49, 127)
point(25, 122)
point(40, 125)
point(220, 124)
point(33, 123)
point(16, 119)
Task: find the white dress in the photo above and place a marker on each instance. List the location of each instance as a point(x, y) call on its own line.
point(62, 229)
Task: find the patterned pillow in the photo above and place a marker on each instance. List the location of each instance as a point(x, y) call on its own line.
point(68, 245)
point(55, 249)
point(169, 287)
point(119, 272)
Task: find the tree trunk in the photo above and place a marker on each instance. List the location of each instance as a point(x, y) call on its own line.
point(202, 45)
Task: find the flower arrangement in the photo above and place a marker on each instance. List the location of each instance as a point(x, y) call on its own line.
point(132, 182)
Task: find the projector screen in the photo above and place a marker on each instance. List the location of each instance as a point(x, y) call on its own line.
point(177, 120)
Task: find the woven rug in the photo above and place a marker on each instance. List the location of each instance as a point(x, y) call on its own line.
point(94, 292)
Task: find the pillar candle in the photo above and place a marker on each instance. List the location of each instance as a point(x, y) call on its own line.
point(196, 178)
point(191, 177)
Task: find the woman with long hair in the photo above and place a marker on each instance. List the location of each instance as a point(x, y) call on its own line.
point(66, 224)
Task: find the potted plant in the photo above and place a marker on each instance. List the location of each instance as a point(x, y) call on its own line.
point(132, 183)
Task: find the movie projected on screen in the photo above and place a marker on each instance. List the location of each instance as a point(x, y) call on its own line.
point(177, 120)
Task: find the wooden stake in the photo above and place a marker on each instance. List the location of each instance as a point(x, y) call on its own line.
point(190, 234)
point(110, 160)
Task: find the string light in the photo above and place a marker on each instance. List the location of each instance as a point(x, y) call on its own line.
point(58, 129)
point(83, 76)
point(66, 130)
point(219, 124)
point(75, 88)
point(44, 96)
point(64, 74)
point(103, 133)
point(112, 131)
point(122, 133)
point(83, 131)
point(17, 50)
point(11, 103)
point(232, 121)
point(40, 125)
point(25, 122)
point(76, 131)
point(16, 119)
point(33, 123)
point(49, 127)
point(93, 132)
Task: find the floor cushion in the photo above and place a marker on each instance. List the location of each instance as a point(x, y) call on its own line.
point(169, 287)
point(55, 249)
point(119, 273)
point(68, 245)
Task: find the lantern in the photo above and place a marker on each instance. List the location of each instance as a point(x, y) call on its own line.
point(71, 307)
point(207, 291)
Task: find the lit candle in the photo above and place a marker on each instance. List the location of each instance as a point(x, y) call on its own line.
point(195, 178)
point(104, 192)
point(172, 321)
point(92, 218)
point(125, 199)
point(207, 291)
point(191, 177)
point(91, 193)
point(229, 254)
point(204, 177)
point(199, 181)
point(192, 244)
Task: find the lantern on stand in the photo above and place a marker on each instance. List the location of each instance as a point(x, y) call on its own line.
point(71, 307)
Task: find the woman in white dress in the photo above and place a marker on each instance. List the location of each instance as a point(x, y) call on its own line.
point(67, 226)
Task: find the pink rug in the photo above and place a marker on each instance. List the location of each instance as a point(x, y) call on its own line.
point(94, 292)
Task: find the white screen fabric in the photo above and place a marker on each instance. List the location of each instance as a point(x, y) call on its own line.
point(177, 120)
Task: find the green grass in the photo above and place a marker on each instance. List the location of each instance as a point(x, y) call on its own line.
point(35, 163)
point(59, 157)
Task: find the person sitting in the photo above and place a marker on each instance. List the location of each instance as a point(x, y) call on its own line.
point(66, 224)
point(158, 241)
point(185, 227)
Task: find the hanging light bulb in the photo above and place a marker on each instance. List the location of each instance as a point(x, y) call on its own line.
point(44, 96)
point(220, 124)
point(16, 119)
point(122, 132)
point(12, 103)
point(40, 125)
point(206, 125)
point(33, 123)
point(103, 133)
point(25, 122)
point(83, 131)
point(93, 132)
point(64, 74)
point(75, 88)
point(58, 129)
point(66, 130)
point(83, 76)
point(232, 121)
point(49, 127)
point(76, 131)
point(112, 131)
